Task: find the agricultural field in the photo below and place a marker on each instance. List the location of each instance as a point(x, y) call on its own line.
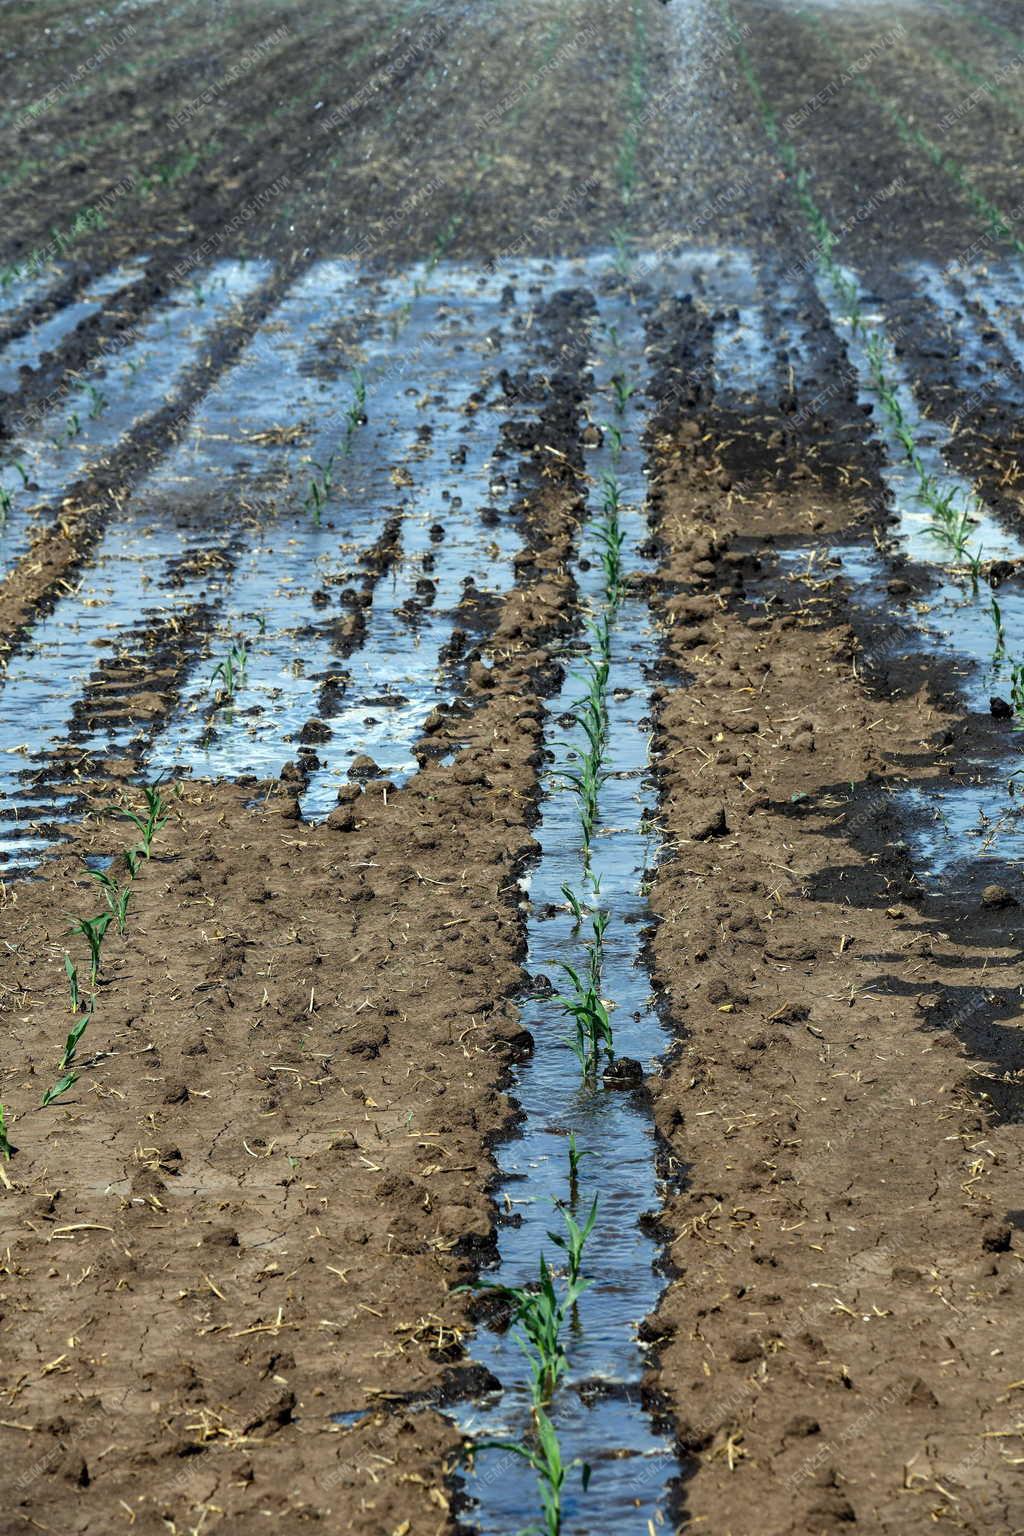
point(511, 692)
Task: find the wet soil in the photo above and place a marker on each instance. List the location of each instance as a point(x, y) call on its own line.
point(232, 1247)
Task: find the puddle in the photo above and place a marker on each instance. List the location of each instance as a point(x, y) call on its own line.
point(596, 1409)
point(128, 384)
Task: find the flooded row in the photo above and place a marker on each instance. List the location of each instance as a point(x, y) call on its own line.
point(369, 408)
point(588, 1134)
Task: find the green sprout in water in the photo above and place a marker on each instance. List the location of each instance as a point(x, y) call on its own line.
point(1017, 694)
point(546, 1460)
point(576, 906)
point(623, 391)
point(540, 1313)
point(622, 260)
point(231, 671)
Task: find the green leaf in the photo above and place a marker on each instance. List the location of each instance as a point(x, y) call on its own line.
point(67, 1081)
point(71, 1044)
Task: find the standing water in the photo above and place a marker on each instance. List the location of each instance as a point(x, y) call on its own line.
point(596, 1408)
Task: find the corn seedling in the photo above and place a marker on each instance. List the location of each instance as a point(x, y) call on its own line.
point(622, 260)
point(75, 1034)
point(316, 497)
point(93, 931)
point(116, 896)
point(540, 1314)
point(231, 670)
point(584, 783)
point(592, 1031)
point(98, 401)
point(611, 538)
point(6, 1149)
point(157, 813)
point(997, 620)
point(71, 971)
point(552, 1472)
point(572, 1242)
point(623, 392)
point(601, 631)
point(1017, 694)
point(60, 1087)
point(5, 504)
point(576, 907)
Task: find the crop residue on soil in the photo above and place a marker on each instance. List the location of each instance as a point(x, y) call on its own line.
point(510, 791)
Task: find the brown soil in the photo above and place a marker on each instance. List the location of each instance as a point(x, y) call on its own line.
point(252, 1210)
point(837, 1336)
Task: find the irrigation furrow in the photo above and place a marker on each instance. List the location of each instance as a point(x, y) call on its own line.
point(596, 1410)
point(98, 414)
point(936, 508)
point(277, 584)
point(434, 414)
point(25, 350)
point(18, 294)
point(963, 623)
point(744, 357)
point(133, 581)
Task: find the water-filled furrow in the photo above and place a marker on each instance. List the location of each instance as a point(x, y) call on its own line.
point(596, 1410)
point(744, 361)
point(53, 449)
point(287, 575)
point(955, 324)
point(761, 345)
point(998, 291)
point(954, 616)
point(931, 438)
point(134, 576)
point(26, 350)
point(19, 292)
point(433, 437)
point(265, 422)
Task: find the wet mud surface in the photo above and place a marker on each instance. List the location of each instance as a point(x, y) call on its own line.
point(326, 342)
